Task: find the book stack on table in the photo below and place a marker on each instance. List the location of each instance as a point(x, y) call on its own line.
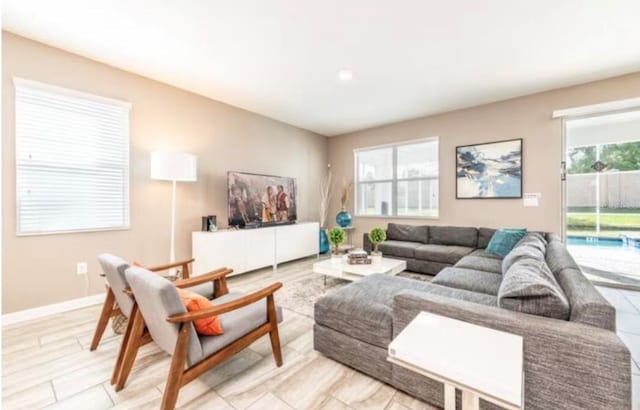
point(358, 257)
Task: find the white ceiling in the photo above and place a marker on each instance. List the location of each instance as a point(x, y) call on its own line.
point(411, 58)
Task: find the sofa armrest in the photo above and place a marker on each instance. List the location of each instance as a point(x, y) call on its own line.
point(567, 365)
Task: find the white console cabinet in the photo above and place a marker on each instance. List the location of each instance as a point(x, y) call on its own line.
point(249, 249)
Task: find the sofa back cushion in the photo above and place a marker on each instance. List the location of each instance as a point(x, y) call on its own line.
point(408, 233)
point(530, 287)
point(588, 306)
point(531, 246)
point(453, 235)
point(484, 236)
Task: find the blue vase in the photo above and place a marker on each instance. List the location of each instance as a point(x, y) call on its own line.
point(324, 241)
point(343, 218)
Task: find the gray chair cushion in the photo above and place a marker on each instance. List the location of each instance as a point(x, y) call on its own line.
point(530, 287)
point(158, 299)
point(531, 246)
point(469, 279)
point(398, 248)
point(482, 253)
point(441, 253)
point(484, 236)
point(363, 309)
point(480, 263)
point(453, 235)
point(236, 323)
point(409, 233)
point(204, 289)
point(114, 268)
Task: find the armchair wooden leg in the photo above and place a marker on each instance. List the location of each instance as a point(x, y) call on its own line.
point(122, 351)
point(273, 333)
point(107, 308)
point(176, 371)
point(131, 348)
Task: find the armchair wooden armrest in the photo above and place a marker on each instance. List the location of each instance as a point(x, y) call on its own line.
point(227, 307)
point(183, 264)
point(218, 277)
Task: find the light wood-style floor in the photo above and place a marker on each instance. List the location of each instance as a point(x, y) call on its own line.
point(47, 363)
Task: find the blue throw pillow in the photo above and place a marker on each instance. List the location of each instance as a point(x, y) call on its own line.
point(503, 240)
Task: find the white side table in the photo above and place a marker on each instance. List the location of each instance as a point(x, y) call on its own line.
point(482, 362)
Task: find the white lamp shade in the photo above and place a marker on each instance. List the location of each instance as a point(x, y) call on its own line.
point(174, 166)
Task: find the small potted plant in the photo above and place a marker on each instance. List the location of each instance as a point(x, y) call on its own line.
point(336, 238)
point(377, 236)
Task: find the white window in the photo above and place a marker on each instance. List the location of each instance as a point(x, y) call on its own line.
point(72, 160)
point(398, 180)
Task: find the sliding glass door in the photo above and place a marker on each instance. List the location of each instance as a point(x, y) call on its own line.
point(602, 194)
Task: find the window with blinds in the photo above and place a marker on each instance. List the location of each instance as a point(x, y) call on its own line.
point(72, 160)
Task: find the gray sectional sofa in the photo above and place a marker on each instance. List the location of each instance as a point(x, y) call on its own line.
point(573, 358)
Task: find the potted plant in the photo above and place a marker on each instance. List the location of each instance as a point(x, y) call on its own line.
point(336, 238)
point(377, 236)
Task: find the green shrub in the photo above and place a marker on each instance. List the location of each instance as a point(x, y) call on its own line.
point(337, 237)
point(377, 236)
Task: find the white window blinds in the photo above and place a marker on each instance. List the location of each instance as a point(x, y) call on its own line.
point(72, 160)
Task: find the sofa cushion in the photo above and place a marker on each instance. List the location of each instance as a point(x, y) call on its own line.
point(441, 253)
point(469, 279)
point(453, 235)
point(530, 287)
point(531, 246)
point(363, 309)
point(426, 267)
point(484, 236)
point(398, 248)
point(504, 240)
point(480, 263)
point(482, 253)
point(409, 233)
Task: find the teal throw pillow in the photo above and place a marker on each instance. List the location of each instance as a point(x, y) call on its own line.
point(503, 240)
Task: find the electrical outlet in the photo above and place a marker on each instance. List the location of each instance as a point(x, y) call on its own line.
point(81, 268)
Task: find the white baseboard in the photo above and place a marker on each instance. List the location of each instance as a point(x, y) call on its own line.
point(48, 310)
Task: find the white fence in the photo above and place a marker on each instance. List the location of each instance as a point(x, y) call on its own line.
point(617, 190)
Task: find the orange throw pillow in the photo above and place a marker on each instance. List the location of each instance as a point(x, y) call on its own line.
point(209, 326)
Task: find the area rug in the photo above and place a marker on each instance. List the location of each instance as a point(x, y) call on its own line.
point(300, 296)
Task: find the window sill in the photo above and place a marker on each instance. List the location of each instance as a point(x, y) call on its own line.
point(90, 230)
point(397, 217)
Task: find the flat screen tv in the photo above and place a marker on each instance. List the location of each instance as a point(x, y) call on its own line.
point(260, 200)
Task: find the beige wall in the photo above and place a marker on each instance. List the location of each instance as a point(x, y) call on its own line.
point(40, 270)
point(526, 117)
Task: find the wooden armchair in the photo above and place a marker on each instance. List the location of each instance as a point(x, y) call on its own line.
point(245, 318)
point(116, 301)
point(118, 292)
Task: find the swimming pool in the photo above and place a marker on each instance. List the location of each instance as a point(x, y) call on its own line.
point(604, 242)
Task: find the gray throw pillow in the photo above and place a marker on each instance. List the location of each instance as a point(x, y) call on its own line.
point(531, 246)
point(530, 287)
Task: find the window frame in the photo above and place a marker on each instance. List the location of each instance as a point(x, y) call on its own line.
point(394, 179)
point(18, 81)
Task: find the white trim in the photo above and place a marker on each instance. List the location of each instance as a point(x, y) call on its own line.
point(69, 91)
point(48, 310)
point(597, 108)
point(398, 144)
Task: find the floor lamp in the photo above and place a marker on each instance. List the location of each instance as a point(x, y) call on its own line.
point(174, 167)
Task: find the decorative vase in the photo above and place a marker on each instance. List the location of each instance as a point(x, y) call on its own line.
point(343, 218)
point(376, 257)
point(324, 241)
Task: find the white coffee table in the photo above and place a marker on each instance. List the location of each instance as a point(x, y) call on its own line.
point(482, 362)
point(342, 270)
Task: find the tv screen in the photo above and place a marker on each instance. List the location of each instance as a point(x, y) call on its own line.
point(256, 200)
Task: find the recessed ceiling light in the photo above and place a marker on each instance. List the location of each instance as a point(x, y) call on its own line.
point(345, 74)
